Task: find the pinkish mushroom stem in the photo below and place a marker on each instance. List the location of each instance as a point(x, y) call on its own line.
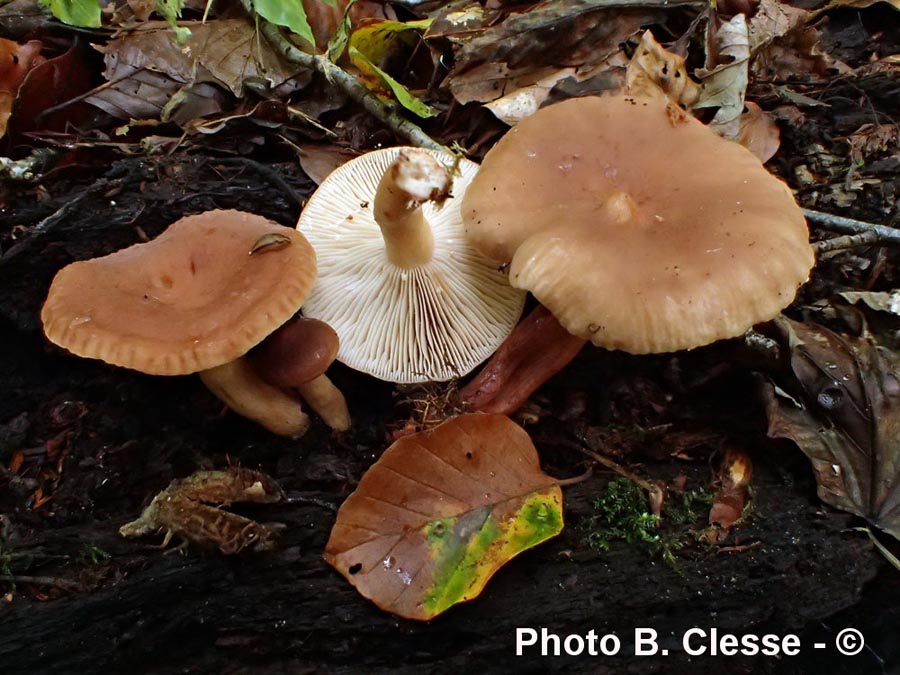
point(327, 400)
point(237, 384)
point(538, 348)
point(414, 177)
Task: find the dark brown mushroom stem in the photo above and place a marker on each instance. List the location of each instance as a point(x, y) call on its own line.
point(538, 348)
point(296, 356)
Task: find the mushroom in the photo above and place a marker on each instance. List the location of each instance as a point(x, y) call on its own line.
point(410, 298)
point(636, 226)
point(297, 356)
point(195, 299)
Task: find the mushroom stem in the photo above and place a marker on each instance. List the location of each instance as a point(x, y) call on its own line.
point(537, 349)
point(327, 400)
point(414, 177)
point(246, 393)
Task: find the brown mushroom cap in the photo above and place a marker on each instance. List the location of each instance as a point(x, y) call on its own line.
point(298, 352)
point(191, 299)
point(638, 227)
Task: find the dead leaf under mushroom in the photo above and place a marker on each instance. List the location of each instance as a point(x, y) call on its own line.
point(846, 419)
point(441, 512)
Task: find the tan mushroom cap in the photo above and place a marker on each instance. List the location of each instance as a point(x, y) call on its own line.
point(638, 227)
point(191, 299)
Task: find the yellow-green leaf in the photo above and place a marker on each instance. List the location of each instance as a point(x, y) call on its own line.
point(380, 82)
point(84, 13)
point(287, 13)
point(441, 512)
point(370, 44)
point(375, 39)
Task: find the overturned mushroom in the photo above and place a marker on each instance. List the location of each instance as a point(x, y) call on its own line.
point(195, 299)
point(636, 226)
point(411, 300)
point(296, 356)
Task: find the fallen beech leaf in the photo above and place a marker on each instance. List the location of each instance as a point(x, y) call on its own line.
point(441, 512)
point(725, 84)
point(318, 161)
point(227, 52)
point(758, 132)
point(847, 420)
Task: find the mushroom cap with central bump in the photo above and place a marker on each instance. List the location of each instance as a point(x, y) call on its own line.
point(637, 226)
point(411, 302)
point(192, 299)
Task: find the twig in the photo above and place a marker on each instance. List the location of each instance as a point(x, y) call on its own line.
point(850, 226)
point(63, 584)
point(653, 491)
point(51, 221)
point(266, 172)
point(846, 241)
point(564, 482)
point(347, 83)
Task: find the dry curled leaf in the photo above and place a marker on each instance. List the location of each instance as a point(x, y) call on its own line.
point(846, 419)
point(725, 82)
point(497, 56)
point(146, 68)
point(189, 508)
point(441, 512)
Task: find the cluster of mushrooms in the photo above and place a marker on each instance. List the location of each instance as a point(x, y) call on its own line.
point(413, 266)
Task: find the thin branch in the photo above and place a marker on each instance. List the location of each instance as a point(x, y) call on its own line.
point(850, 226)
point(347, 83)
point(63, 584)
point(653, 491)
point(846, 241)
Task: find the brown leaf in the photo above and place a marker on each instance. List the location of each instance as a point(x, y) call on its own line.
point(846, 420)
point(440, 512)
point(47, 85)
point(147, 67)
point(495, 59)
point(318, 161)
point(796, 56)
point(725, 77)
point(15, 62)
point(758, 132)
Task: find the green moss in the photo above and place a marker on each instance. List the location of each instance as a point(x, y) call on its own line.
point(621, 514)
